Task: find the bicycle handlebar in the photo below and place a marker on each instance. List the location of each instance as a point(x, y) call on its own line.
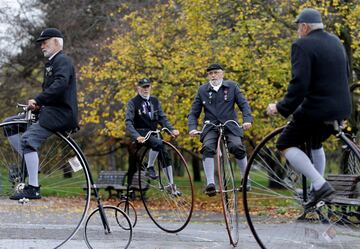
point(207, 122)
point(28, 112)
point(148, 135)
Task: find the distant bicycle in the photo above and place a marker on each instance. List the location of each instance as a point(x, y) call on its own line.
point(169, 205)
point(63, 175)
point(227, 183)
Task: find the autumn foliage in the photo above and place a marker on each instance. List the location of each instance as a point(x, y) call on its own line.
point(173, 42)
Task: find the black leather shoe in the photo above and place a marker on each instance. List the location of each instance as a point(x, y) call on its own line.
point(210, 189)
point(29, 192)
point(150, 172)
point(318, 195)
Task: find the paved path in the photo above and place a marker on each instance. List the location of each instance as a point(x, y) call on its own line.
point(206, 230)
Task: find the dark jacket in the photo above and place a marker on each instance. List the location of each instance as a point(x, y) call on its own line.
point(219, 107)
point(318, 90)
point(137, 119)
point(58, 101)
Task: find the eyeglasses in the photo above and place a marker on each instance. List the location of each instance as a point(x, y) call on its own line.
point(144, 87)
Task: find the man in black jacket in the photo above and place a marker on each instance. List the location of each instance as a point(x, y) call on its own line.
point(144, 114)
point(317, 95)
point(218, 98)
point(56, 104)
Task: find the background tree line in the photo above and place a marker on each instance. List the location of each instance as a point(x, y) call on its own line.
point(114, 43)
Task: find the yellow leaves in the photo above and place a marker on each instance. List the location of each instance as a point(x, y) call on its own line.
point(174, 42)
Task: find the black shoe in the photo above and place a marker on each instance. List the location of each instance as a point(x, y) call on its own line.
point(150, 172)
point(318, 195)
point(171, 190)
point(29, 192)
point(210, 189)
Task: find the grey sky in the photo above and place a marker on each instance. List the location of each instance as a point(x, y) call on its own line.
point(10, 34)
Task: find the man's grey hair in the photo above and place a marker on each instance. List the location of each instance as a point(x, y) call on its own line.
point(314, 26)
point(60, 41)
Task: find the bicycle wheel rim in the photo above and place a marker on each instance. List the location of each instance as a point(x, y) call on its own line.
point(228, 192)
point(64, 202)
point(274, 209)
point(97, 236)
point(169, 213)
point(128, 208)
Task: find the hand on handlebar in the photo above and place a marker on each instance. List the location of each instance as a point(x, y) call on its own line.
point(32, 105)
point(246, 126)
point(194, 133)
point(271, 109)
point(140, 139)
point(175, 133)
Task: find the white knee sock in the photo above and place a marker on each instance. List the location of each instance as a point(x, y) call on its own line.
point(15, 141)
point(208, 164)
point(319, 160)
point(169, 174)
point(152, 157)
point(242, 163)
point(301, 162)
point(32, 165)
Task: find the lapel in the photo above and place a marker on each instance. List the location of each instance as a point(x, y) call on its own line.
point(152, 110)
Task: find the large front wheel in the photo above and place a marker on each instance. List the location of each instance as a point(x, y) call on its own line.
point(274, 205)
point(64, 188)
point(228, 192)
point(169, 205)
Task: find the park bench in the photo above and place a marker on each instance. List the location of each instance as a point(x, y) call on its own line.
point(346, 192)
point(113, 180)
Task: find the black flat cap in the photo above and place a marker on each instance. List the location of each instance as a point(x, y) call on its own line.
point(214, 67)
point(308, 15)
point(49, 33)
point(144, 82)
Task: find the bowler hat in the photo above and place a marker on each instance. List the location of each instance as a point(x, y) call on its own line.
point(308, 15)
point(144, 82)
point(214, 67)
point(49, 33)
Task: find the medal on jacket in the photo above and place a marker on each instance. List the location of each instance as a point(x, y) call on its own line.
point(226, 94)
point(48, 71)
point(144, 108)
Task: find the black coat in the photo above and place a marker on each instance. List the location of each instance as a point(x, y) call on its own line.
point(318, 90)
point(138, 121)
point(219, 107)
point(58, 101)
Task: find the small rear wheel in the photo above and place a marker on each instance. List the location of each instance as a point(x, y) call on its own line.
point(108, 227)
point(128, 208)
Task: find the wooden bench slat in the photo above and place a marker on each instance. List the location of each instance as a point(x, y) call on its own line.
point(345, 189)
point(345, 201)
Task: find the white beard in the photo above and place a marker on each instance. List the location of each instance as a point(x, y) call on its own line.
point(215, 82)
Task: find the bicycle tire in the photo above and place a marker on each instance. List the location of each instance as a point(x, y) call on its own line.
point(128, 208)
point(65, 192)
point(170, 213)
point(228, 192)
point(117, 236)
point(274, 206)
